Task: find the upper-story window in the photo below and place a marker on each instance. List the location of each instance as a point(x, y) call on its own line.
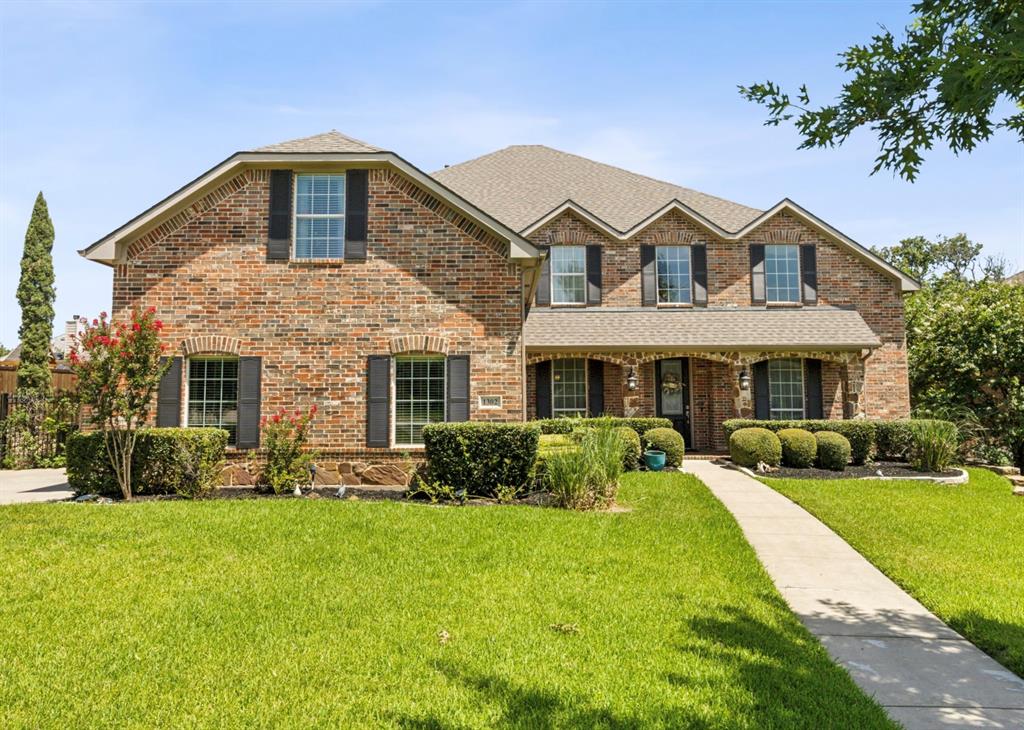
point(786, 389)
point(319, 216)
point(568, 274)
point(782, 273)
point(674, 275)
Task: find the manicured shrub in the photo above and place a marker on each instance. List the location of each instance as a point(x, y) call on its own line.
point(183, 461)
point(933, 445)
point(568, 425)
point(587, 476)
point(799, 447)
point(632, 449)
point(668, 440)
point(480, 457)
point(833, 450)
point(859, 432)
point(287, 459)
point(748, 446)
point(893, 439)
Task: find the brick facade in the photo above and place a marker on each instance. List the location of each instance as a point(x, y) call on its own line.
point(315, 323)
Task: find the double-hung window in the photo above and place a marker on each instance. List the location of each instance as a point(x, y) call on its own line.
point(782, 273)
point(419, 396)
point(213, 394)
point(568, 274)
point(319, 216)
point(674, 275)
point(569, 387)
point(786, 389)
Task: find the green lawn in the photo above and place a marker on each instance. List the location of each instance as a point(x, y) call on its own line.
point(958, 549)
point(320, 613)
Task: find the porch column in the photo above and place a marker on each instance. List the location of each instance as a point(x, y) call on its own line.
point(743, 400)
point(853, 388)
point(631, 399)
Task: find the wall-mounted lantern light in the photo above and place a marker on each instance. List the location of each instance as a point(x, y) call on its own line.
point(744, 379)
point(631, 379)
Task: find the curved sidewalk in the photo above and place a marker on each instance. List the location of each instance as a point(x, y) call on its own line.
point(925, 674)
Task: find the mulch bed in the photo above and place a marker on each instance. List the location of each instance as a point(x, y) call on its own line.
point(894, 469)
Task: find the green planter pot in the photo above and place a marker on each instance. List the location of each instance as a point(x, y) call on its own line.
point(655, 460)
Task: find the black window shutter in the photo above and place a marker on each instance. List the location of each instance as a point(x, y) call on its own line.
point(357, 201)
point(543, 385)
point(809, 272)
point(544, 285)
point(762, 396)
point(458, 388)
point(648, 276)
point(168, 399)
point(758, 295)
point(813, 406)
point(593, 275)
point(280, 241)
point(378, 401)
point(699, 262)
point(249, 376)
point(595, 388)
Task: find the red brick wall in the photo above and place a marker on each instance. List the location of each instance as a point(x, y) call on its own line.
point(314, 324)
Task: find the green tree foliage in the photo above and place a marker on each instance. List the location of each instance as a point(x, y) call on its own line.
point(940, 82)
point(35, 295)
point(947, 257)
point(965, 343)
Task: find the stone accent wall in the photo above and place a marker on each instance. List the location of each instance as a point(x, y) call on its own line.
point(433, 281)
point(844, 279)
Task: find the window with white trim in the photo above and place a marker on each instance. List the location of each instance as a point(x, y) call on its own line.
point(569, 387)
point(782, 273)
point(213, 394)
point(319, 216)
point(786, 389)
point(674, 275)
point(419, 396)
point(568, 274)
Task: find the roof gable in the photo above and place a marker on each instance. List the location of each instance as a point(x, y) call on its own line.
point(333, 141)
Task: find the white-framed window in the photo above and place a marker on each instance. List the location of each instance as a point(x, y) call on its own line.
point(674, 275)
point(319, 223)
point(786, 389)
point(569, 387)
point(420, 389)
point(782, 273)
point(212, 395)
point(568, 274)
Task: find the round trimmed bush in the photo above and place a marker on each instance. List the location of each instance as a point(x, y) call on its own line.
point(668, 440)
point(748, 446)
point(631, 457)
point(833, 450)
point(799, 447)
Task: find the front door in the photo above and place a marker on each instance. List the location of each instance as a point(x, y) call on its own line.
point(672, 394)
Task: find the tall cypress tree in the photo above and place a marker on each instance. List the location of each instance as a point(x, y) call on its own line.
point(36, 293)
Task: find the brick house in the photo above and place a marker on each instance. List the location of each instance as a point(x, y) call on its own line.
point(528, 282)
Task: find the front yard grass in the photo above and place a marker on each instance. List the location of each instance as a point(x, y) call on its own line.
point(958, 549)
point(320, 613)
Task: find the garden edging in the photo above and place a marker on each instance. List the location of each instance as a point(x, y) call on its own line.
point(960, 478)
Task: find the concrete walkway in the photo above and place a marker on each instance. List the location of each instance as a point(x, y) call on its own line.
point(33, 485)
point(925, 674)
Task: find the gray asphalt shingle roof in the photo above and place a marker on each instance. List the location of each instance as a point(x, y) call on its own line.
point(520, 184)
point(718, 329)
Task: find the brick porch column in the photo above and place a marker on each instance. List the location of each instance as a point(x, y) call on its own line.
point(853, 388)
point(743, 400)
point(631, 399)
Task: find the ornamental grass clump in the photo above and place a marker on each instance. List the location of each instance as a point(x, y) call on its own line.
point(587, 477)
point(284, 437)
point(833, 450)
point(752, 446)
point(799, 448)
point(933, 444)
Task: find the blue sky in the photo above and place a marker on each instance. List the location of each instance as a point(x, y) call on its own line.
point(108, 107)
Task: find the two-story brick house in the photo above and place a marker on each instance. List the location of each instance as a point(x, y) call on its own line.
point(525, 283)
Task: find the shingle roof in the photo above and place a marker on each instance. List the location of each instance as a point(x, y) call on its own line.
point(333, 141)
point(719, 329)
point(520, 184)
point(1017, 278)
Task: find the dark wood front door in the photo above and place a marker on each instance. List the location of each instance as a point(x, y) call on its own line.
point(672, 394)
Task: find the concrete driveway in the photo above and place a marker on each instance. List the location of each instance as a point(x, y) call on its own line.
point(33, 485)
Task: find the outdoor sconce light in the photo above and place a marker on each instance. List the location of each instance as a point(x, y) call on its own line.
point(631, 379)
point(744, 379)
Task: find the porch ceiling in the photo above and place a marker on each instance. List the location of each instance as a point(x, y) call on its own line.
point(608, 328)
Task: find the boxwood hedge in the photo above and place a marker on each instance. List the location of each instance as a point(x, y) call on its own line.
point(567, 425)
point(859, 432)
point(480, 457)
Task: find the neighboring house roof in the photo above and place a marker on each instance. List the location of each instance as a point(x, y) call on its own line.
point(521, 184)
point(527, 186)
point(320, 149)
point(810, 328)
point(1017, 279)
